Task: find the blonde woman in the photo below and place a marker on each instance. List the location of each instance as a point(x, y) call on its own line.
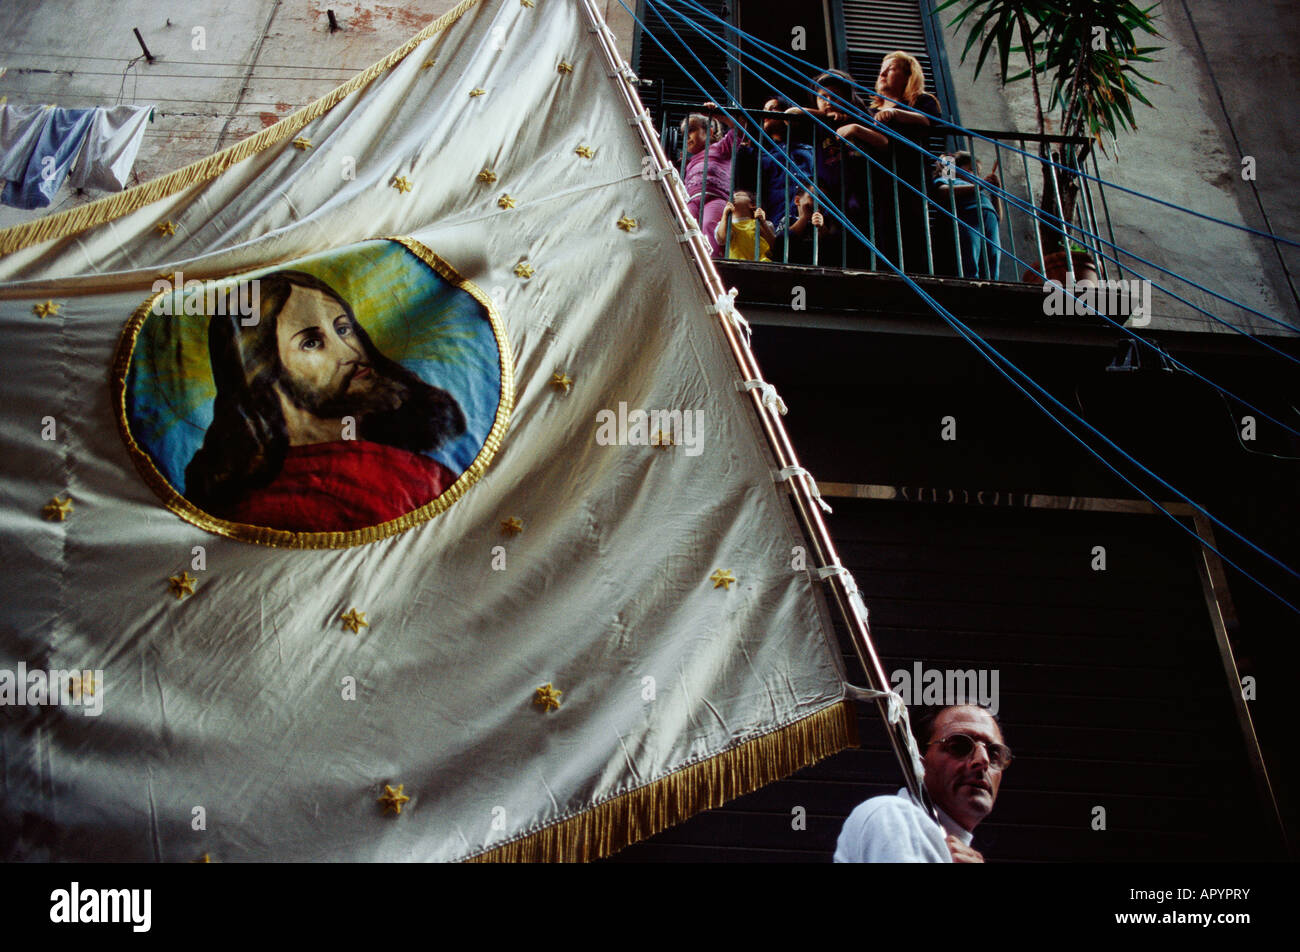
point(902, 105)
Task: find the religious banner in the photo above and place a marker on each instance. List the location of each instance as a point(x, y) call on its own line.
point(383, 487)
point(263, 403)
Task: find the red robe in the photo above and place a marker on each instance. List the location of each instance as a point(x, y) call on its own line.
point(343, 486)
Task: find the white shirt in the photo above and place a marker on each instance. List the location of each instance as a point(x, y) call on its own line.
point(896, 829)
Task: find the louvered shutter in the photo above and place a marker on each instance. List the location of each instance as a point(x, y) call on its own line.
point(872, 28)
point(650, 61)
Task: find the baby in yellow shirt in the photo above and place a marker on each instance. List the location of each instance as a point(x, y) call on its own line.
point(747, 224)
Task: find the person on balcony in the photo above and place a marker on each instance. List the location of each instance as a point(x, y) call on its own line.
point(748, 225)
point(708, 169)
point(900, 113)
point(806, 223)
point(841, 169)
point(782, 168)
point(976, 207)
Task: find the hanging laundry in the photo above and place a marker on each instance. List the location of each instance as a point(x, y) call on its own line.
point(111, 146)
point(57, 145)
point(20, 126)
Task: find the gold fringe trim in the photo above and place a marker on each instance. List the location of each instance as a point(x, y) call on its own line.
point(123, 203)
point(609, 827)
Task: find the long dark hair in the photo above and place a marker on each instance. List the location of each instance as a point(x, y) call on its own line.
point(245, 446)
point(841, 83)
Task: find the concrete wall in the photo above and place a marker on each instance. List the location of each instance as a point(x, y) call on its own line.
point(1234, 92)
point(260, 60)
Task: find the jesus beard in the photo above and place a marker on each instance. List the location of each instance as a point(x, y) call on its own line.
point(384, 393)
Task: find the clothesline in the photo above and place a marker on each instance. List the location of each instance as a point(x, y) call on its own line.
point(213, 102)
point(32, 71)
point(175, 62)
point(41, 146)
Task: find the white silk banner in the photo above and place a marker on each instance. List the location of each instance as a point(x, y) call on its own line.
point(526, 630)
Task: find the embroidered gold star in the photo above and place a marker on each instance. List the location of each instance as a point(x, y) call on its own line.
point(401, 183)
point(302, 143)
point(722, 578)
point(429, 63)
point(354, 621)
point(584, 151)
point(547, 697)
point(505, 201)
point(476, 92)
point(487, 176)
point(627, 224)
point(166, 227)
point(45, 309)
point(56, 510)
point(562, 381)
point(524, 270)
point(565, 67)
point(512, 526)
point(393, 799)
point(205, 858)
point(526, 3)
point(182, 585)
point(663, 442)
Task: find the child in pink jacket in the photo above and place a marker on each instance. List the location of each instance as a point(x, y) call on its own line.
point(716, 191)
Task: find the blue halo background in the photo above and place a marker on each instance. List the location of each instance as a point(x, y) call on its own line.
point(413, 314)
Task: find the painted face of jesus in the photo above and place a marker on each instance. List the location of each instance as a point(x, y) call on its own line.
point(326, 371)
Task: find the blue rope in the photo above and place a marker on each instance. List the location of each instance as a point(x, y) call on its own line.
point(990, 352)
point(799, 178)
point(1052, 221)
point(1039, 158)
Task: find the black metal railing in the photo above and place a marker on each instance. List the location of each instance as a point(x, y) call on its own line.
point(1007, 239)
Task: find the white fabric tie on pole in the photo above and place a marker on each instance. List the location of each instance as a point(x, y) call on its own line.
point(725, 304)
point(771, 399)
point(897, 712)
point(675, 182)
point(790, 471)
point(850, 586)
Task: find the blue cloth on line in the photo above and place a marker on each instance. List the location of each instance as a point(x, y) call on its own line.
point(56, 148)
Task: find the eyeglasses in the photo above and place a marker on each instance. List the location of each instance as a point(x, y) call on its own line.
point(962, 746)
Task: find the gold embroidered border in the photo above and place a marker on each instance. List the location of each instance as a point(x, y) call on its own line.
point(123, 203)
point(322, 540)
point(610, 826)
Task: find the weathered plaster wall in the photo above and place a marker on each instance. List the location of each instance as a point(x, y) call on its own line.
point(1233, 93)
point(260, 60)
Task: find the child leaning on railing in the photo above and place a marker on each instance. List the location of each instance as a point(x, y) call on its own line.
point(976, 207)
point(747, 224)
point(705, 148)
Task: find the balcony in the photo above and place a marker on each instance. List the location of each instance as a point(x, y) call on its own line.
point(990, 270)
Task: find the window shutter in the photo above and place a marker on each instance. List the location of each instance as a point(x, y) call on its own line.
point(872, 28)
point(651, 62)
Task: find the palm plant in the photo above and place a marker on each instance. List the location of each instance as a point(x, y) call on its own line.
point(1085, 51)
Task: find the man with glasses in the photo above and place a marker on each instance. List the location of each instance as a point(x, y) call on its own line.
point(965, 758)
